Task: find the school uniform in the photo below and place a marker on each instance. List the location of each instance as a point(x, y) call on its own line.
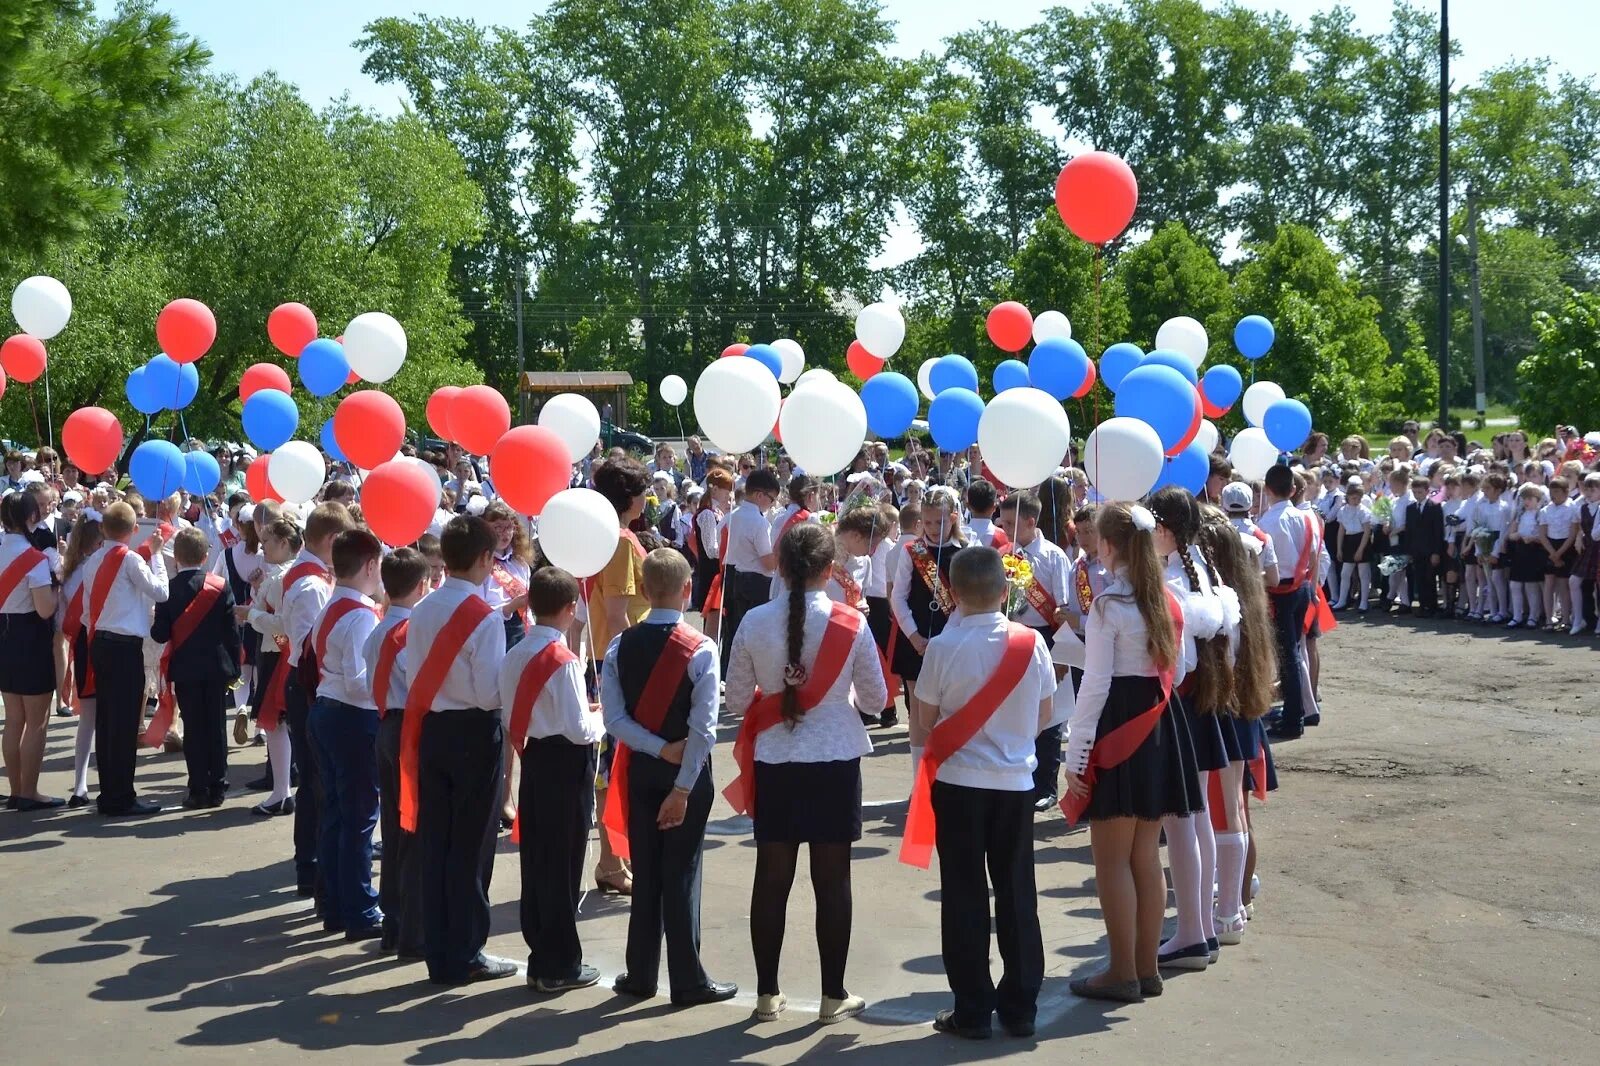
point(982, 799)
point(746, 582)
point(202, 665)
point(120, 625)
point(1528, 560)
point(1052, 570)
point(239, 567)
point(507, 580)
point(399, 891)
point(1424, 538)
point(1291, 535)
point(1199, 730)
point(458, 775)
point(27, 660)
point(666, 863)
point(555, 803)
point(984, 532)
point(919, 607)
point(301, 609)
point(786, 518)
point(1558, 520)
point(705, 543)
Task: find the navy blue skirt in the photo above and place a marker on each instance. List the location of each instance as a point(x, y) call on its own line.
point(1205, 735)
point(808, 802)
point(27, 659)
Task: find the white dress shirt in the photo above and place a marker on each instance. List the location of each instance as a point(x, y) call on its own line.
point(344, 669)
point(749, 538)
point(561, 708)
point(830, 731)
point(982, 530)
point(709, 522)
point(1353, 518)
point(877, 582)
point(1286, 525)
point(303, 605)
point(135, 592)
point(1052, 569)
point(1558, 520)
point(265, 604)
point(702, 675)
point(778, 523)
point(473, 681)
point(21, 599)
point(399, 683)
point(856, 568)
point(959, 662)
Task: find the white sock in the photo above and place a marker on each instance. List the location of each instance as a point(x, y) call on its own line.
point(83, 746)
point(1230, 874)
point(1366, 582)
point(1518, 602)
point(278, 754)
point(247, 674)
point(1207, 839)
point(1183, 860)
point(1575, 601)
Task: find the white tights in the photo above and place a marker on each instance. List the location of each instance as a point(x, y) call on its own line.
point(1191, 887)
point(83, 745)
point(1347, 577)
point(278, 757)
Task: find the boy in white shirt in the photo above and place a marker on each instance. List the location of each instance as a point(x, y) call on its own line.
point(1558, 535)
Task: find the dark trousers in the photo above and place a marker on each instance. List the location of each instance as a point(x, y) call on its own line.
point(556, 811)
point(1047, 745)
point(1289, 624)
point(983, 830)
point(307, 797)
point(666, 876)
point(204, 706)
point(458, 793)
point(742, 593)
point(119, 712)
point(345, 738)
point(399, 893)
point(1424, 586)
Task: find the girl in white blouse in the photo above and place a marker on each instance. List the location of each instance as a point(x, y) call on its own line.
point(85, 540)
point(281, 540)
point(30, 662)
point(1353, 519)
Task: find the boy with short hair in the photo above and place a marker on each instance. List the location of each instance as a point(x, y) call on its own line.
point(1423, 540)
point(751, 560)
point(428, 546)
point(981, 504)
point(557, 733)
point(986, 691)
point(1558, 536)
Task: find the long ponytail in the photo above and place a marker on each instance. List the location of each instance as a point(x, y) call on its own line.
point(804, 553)
point(1135, 549)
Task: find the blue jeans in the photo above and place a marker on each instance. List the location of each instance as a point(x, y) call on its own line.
point(345, 739)
point(1289, 620)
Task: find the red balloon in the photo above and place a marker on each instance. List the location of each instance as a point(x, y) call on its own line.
point(1097, 195)
point(1210, 409)
point(439, 411)
point(479, 416)
point(734, 349)
point(398, 501)
point(369, 428)
point(2, 382)
point(529, 465)
point(256, 483)
point(863, 364)
point(1010, 326)
point(186, 329)
point(291, 326)
point(263, 376)
point(1088, 383)
point(777, 432)
point(92, 438)
point(1194, 427)
point(22, 356)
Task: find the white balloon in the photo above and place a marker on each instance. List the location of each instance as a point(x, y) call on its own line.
point(296, 471)
point(1050, 324)
point(41, 305)
point(1252, 454)
point(578, 529)
point(674, 390)
point(923, 385)
point(1122, 458)
point(736, 403)
point(1186, 337)
point(794, 360)
point(813, 376)
point(1259, 397)
point(1023, 434)
point(881, 329)
point(1207, 436)
point(375, 345)
point(823, 426)
point(574, 419)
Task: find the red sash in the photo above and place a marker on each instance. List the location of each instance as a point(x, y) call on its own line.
point(166, 530)
point(927, 568)
point(330, 618)
point(272, 703)
point(1321, 613)
point(1083, 586)
point(850, 586)
point(767, 710)
point(650, 712)
point(536, 674)
point(183, 628)
point(801, 515)
point(1214, 796)
point(13, 574)
point(383, 671)
point(464, 620)
point(953, 733)
point(104, 578)
point(1118, 746)
point(1307, 562)
point(1040, 600)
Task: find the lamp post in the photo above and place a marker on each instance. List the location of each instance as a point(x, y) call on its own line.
point(1444, 214)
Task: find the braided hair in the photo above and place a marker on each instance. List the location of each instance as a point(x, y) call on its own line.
point(805, 553)
point(1178, 510)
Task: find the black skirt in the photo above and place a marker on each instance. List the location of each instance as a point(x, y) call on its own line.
point(1257, 735)
point(1205, 735)
point(808, 802)
point(1159, 778)
point(1528, 561)
point(1236, 745)
point(27, 663)
point(250, 644)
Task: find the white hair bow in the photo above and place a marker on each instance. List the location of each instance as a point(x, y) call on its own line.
point(92, 515)
point(1142, 518)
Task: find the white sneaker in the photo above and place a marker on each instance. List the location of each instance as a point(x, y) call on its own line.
point(769, 1007)
point(1255, 887)
point(1230, 932)
point(837, 1010)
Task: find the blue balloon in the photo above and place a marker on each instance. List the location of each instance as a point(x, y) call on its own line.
point(1176, 360)
point(1253, 336)
point(1287, 424)
point(767, 356)
point(201, 473)
point(1058, 366)
point(1117, 361)
point(164, 378)
point(323, 369)
point(891, 401)
point(270, 418)
point(140, 393)
point(329, 444)
point(1187, 470)
point(953, 419)
point(1011, 374)
point(157, 469)
point(1222, 386)
point(188, 387)
point(1160, 397)
point(952, 372)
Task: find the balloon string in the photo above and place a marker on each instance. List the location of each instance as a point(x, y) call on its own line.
point(1097, 268)
point(32, 407)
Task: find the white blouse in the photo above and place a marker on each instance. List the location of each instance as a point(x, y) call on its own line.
point(831, 730)
point(263, 616)
point(20, 601)
point(1353, 518)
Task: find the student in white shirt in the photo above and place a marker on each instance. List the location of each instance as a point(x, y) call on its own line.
point(1292, 536)
point(31, 660)
point(86, 537)
point(802, 507)
point(1353, 521)
point(1494, 512)
point(1558, 536)
point(981, 525)
point(752, 554)
point(281, 541)
point(706, 535)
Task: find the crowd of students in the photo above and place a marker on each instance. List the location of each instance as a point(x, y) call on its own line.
point(1123, 663)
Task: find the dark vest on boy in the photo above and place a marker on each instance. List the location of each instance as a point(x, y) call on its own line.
point(637, 652)
point(211, 651)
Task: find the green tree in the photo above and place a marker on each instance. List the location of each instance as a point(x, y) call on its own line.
point(1171, 275)
point(1568, 341)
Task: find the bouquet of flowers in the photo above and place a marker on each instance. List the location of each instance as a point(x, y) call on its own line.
point(1391, 565)
point(652, 510)
point(827, 518)
point(1485, 539)
point(1383, 509)
point(1019, 576)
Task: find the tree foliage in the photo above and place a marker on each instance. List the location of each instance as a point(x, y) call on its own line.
point(1549, 391)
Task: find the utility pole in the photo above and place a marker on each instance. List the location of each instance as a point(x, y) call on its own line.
point(522, 360)
point(1444, 214)
point(1477, 305)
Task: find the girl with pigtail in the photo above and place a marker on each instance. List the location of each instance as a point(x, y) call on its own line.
point(793, 664)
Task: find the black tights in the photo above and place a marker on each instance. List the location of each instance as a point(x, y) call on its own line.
point(769, 908)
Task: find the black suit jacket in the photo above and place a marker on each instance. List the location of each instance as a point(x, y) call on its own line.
point(1424, 532)
point(211, 652)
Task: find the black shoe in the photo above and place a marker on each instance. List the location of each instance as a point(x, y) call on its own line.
point(215, 800)
point(273, 810)
point(1213, 949)
point(888, 719)
point(409, 954)
point(1017, 1028)
point(193, 802)
point(1193, 957)
point(139, 809)
point(586, 976)
point(305, 890)
point(487, 968)
point(331, 926)
point(627, 986)
point(389, 943)
point(366, 932)
point(1311, 720)
point(1283, 732)
point(1043, 803)
point(868, 720)
point(78, 801)
point(63, 712)
point(27, 803)
point(945, 1022)
point(1150, 987)
point(710, 992)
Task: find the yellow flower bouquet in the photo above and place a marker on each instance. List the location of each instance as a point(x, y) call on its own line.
point(1019, 576)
